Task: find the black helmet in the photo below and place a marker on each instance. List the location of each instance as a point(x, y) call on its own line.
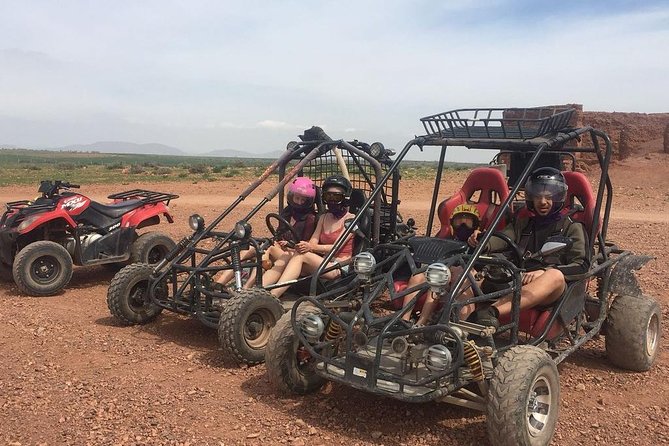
point(338, 181)
point(549, 181)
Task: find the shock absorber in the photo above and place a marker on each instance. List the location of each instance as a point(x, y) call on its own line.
point(473, 360)
point(333, 331)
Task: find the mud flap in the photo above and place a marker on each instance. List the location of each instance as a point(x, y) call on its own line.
point(623, 279)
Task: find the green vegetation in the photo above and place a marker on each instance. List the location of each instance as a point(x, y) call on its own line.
point(20, 166)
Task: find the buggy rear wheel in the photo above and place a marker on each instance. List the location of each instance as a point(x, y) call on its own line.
point(523, 398)
point(42, 268)
point(288, 363)
point(128, 295)
point(245, 324)
point(151, 248)
point(633, 332)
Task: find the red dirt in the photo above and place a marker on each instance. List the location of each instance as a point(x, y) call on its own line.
point(70, 375)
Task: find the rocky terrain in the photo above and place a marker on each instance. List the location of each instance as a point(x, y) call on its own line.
point(70, 375)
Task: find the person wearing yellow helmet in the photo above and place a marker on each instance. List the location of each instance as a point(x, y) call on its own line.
point(465, 219)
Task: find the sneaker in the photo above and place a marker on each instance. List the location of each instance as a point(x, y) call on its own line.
point(488, 316)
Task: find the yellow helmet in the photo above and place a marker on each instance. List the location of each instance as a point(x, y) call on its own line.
point(469, 209)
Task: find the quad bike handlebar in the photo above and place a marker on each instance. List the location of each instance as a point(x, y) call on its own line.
point(50, 188)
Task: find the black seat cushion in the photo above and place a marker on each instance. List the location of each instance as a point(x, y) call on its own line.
point(115, 210)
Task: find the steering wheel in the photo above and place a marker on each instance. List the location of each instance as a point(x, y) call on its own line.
point(515, 251)
point(283, 229)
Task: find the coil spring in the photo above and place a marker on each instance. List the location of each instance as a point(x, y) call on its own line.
point(333, 331)
point(473, 360)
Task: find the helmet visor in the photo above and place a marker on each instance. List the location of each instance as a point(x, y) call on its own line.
point(549, 188)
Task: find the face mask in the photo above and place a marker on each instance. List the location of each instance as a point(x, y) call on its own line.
point(463, 232)
point(337, 209)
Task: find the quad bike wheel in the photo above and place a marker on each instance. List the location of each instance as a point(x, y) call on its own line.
point(245, 324)
point(523, 398)
point(151, 248)
point(42, 268)
point(633, 331)
point(287, 363)
point(128, 298)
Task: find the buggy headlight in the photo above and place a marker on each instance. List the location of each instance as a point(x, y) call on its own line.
point(312, 327)
point(377, 150)
point(438, 358)
point(242, 230)
point(196, 222)
point(363, 264)
point(438, 275)
point(291, 145)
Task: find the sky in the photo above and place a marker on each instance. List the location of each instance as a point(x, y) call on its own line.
point(252, 75)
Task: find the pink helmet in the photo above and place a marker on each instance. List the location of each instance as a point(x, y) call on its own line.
point(303, 187)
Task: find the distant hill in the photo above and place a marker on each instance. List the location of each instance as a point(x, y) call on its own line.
point(239, 154)
point(125, 147)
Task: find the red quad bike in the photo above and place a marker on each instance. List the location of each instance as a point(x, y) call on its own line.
point(40, 240)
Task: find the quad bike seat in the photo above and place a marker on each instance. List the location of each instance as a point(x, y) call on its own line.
point(115, 210)
point(486, 188)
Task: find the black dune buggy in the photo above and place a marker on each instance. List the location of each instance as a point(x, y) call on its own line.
point(184, 282)
point(510, 373)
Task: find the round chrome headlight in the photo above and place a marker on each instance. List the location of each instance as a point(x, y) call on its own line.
point(312, 327)
point(196, 222)
point(242, 230)
point(438, 358)
point(377, 150)
point(364, 263)
point(438, 276)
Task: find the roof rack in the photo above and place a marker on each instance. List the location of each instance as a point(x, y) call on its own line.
point(498, 123)
point(146, 196)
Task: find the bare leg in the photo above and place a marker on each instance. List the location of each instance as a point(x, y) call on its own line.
point(302, 264)
point(227, 275)
point(543, 290)
point(414, 280)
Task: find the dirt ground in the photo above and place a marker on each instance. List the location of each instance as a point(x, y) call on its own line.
point(70, 375)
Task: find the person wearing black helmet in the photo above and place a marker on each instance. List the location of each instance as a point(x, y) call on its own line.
point(336, 195)
point(545, 194)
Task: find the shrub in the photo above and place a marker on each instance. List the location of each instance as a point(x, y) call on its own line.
point(136, 169)
point(198, 168)
point(163, 171)
point(33, 167)
point(218, 169)
point(115, 166)
point(183, 174)
point(230, 173)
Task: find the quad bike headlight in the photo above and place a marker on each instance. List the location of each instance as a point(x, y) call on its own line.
point(242, 230)
point(27, 222)
point(196, 222)
point(312, 327)
point(363, 264)
point(438, 358)
point(438, 276)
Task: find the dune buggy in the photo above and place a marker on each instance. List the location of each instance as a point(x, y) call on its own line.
point(509, 372)
point(40, 240)
point(183, 282)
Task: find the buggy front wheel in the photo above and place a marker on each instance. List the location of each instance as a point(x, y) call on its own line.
point(245, 324)
point(523, 398)
point(289, 365)
point(128, 295)
point(633, 331)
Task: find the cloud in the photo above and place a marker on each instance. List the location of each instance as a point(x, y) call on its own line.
point(223, 75)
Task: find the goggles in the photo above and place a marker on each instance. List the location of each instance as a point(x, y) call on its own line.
point(333, 197)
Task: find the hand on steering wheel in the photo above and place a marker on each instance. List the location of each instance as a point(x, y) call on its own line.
point(283, 229)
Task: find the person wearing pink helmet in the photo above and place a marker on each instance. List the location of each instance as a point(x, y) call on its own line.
point(300, 213)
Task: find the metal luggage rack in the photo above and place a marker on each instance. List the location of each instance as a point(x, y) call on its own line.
point(29, 205)
point(498, 123)
point(146, 196)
